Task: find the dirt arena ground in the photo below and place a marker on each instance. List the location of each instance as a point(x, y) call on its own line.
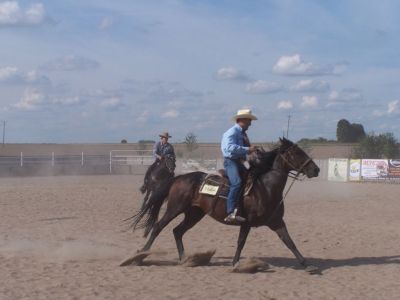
point(63, 238)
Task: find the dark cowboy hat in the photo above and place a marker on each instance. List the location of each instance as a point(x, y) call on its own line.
point(165, 135)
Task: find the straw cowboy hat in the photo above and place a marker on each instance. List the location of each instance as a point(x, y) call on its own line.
point(244, 114)
point(165, 135)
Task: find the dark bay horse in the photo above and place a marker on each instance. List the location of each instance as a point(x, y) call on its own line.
point(160, 171)
point(263, 206)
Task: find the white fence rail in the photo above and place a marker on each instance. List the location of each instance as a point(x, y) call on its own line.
point(137, 161)
point(115, 162)
point(130, 158)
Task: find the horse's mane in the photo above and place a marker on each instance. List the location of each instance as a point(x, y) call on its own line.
point(261, 161)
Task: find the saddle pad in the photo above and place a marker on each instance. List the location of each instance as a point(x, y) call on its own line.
point(214, 185)
point(209, 189)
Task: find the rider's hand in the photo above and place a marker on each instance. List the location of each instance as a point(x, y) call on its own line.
point(252, 149)
point(159, 157)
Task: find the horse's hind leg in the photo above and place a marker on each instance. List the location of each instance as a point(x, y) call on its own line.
point(192, 216)
point(159, 226)
point(145, 199)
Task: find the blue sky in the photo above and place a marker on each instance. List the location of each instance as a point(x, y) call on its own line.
point(102, 71)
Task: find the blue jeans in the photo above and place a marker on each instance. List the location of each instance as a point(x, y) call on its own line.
point(233, 169)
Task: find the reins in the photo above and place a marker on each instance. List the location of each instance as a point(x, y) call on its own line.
point(298, 170)
point(291, 165)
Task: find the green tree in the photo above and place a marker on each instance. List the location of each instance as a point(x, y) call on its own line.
point(358, 132)
point(349, 133)
point(191, 142)
point(343, 131)
point(378, 146)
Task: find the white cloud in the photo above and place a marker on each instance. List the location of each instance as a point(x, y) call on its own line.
point(377, 113)
point(230, 73)
point(176, 103)
point(30, 100)
point(205, 124)
point(393, 107)
point(71, 63)
point(285, 104)
point(310, 85)
point(106, 22)
point(170, 114)
point(345, 95)
point(8, 72)
point(112, 102)
point(67, 100)
point(85, 114)
point(12, 14)
point(263, 87)
point(295, 65)
point(309, 101)
point(12, 75)
point(144, 116)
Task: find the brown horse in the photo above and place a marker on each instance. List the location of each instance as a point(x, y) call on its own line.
point(262, 206)
point(157, 174)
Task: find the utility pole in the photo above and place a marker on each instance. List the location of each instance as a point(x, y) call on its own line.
point(4, 131)
point(288, 123)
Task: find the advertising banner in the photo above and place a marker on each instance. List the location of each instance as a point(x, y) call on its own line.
point(394, 168)
point(338, 169)
point(355, 170)
point(374, 168)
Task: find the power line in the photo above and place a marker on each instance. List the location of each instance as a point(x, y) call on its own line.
point(4, 131)
point(288, 123)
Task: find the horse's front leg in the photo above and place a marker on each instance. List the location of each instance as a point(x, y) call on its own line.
point(287, 240)
point(244, 232)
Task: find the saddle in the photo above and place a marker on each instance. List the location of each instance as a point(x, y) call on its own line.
point(215, 185)
point(218, 185)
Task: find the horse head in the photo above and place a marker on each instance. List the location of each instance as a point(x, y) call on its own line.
point(165, 168)
point(296, 159)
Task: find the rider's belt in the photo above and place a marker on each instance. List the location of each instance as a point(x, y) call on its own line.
point(236, 160)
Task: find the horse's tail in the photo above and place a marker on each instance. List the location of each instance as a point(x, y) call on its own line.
point(147, 216)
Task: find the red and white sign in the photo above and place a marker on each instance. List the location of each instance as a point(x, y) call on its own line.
point(374, 168)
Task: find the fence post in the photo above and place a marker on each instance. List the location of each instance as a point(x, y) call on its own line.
point(82, 160)
point(110, 161)
point(52, 159)
point(21, 160)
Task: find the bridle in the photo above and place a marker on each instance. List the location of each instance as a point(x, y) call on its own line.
point(299, 170)
point(292, 166)
point(170, 164)
point(289, 152)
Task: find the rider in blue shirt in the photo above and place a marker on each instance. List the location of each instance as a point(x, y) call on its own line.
point(161, 149)
point(235, 146)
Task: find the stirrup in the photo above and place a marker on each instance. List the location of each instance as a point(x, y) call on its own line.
point(248, 188)
point(234, 218)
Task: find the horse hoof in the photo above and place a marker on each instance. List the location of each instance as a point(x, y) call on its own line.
point(198, 259)
point(250, 265)
point(312, 269)
point(136, 260)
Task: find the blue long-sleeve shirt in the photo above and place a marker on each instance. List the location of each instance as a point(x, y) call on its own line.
point(232, 144)
point(163, 150)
